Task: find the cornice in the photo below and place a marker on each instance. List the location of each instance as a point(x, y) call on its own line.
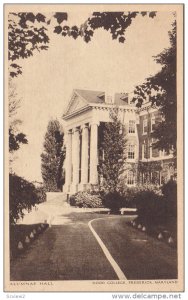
point(107, 106)
point(74, 95)
point(97, 106)
point(148, 106)
point(76, 112)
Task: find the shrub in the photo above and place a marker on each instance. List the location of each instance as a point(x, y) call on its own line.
point(22, 195)
point(129, 194)
point(113, 200)
point(150, 207)
point(128, 197)
point(123, 189)
point(41, 194)
point(86, 199)
point(169, 191)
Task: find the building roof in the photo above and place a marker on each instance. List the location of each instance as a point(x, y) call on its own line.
point(121, 99)
point(91, 96)
point(99, 97)
point(84, 99)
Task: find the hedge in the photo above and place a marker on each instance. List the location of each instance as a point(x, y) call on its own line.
point(169, 191)
point(22, 196)
point(86, 199)
point(151, 207)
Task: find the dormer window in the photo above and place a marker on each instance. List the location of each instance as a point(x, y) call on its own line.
point(125, 98)
point(101, 96)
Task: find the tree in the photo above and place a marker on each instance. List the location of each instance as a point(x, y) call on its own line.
point(16, 138)
point(22, 196)
point(112, 153)
point(25, 35)
point(28, 32)
point(53, 157)
point(116, 23)
point(161, 90)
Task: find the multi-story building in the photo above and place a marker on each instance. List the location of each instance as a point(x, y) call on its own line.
point(84, 118)
point(155, 166)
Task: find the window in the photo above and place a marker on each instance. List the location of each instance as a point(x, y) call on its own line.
point(154, 152)
point(152, 123)
point(131, 126)
point(155, 177)
point(145, 126)
point(131, 151)
point(163, 153)
point(144, 151)
point(130, 178)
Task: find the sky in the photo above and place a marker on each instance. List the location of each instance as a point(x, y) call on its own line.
point(48, 78)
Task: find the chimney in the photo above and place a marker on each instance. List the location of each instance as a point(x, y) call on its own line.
point(109, 97)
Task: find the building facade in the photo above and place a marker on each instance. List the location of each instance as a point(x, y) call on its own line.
point(84, 117)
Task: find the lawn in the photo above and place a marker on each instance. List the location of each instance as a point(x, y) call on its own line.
point(22, 235)
point(139, 255)
point(64, 252)
point(69, 251)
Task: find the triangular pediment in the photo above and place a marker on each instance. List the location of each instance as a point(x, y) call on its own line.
point(75, 104)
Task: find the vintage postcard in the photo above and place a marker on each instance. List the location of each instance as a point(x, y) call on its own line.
point(93, 148)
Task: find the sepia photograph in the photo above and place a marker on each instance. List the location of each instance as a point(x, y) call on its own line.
point(93, 147)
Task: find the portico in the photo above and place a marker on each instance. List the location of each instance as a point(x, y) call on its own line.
point(81, 157)
point(83, 117)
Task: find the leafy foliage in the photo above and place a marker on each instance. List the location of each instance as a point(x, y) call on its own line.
point(169, 191)
point(53, 157)
point(14, 100)
point(86, 199)
point(22, 196)
point(60, 17)
point(112, 150)
point(155, 205)
point(149, 169)
point(151, 207)
point(28, 32)
point(25, 35)
point(129, 194)
point(113, 200)
point(116, 23)
point(16, 138)
point(161, 90)
point(41, 194)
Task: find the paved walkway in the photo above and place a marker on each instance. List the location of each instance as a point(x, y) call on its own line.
point(52, 210)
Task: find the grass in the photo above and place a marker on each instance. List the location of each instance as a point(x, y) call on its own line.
point(64, 252)
point(19, 232)
point(139, 255)
point(167, 228)
point(70, 252)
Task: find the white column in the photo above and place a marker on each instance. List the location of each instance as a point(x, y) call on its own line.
point(94, 153)
point(75, 155)
point(84, 157)
point(68, 171)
